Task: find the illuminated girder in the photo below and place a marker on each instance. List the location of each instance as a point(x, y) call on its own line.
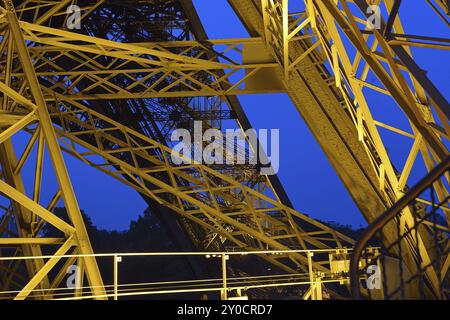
point(112, 70)
point(378, 52)
point(161, 20)
point(443, 4)
point(44, 11)
point(242, 215)
point(19, 112)
point(210, 198)
point(336, 108)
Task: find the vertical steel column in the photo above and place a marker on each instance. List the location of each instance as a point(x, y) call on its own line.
point(117, 259)
point(224, 293)
point(315, 280)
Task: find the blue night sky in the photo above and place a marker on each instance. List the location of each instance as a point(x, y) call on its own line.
point(311, 183)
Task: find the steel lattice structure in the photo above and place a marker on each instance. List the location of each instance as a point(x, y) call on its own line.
point(111, 93)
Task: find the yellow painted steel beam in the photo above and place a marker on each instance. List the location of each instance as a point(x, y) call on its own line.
point(322, 17)
point(335, 108)
point(64, 39)
point(215, 42)
point(311, 88)
point(25, 292)
point(22, 216)
point(196, 201)
point(78, 231)
point(295, 233)
point(26, 202)
point(39, 241)
point(150, 70)
point(399, 89)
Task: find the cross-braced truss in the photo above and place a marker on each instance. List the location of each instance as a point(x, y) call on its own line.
point(378, 63)
point(53, 81)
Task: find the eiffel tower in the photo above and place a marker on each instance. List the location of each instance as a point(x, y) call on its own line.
point(111, 93)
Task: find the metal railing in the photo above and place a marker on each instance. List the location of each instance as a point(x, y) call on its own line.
point(409, 267)
point(223, 285)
